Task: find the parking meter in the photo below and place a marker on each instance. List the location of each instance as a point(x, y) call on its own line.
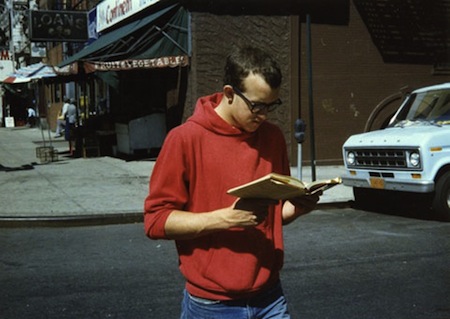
point(299, 134)
point(299, 130)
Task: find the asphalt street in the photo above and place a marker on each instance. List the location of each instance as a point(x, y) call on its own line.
point(339, 264)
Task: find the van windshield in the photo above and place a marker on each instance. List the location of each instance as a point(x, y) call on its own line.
point(432, 107)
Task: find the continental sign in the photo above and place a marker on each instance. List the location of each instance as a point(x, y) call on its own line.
point(58, 26)
point(110, 12)
point(163, 62)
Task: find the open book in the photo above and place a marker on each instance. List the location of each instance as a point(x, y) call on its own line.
point(277, 186)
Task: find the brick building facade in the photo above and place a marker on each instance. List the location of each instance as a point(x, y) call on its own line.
point(349, 79)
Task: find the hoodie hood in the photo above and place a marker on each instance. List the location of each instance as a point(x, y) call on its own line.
point(205, 116)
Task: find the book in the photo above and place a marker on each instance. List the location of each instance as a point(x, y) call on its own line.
point(281, 187)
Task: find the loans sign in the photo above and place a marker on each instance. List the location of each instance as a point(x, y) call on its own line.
point(58, 26)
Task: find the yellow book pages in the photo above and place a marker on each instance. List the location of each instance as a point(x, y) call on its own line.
point(323, 185)
point(280, 187)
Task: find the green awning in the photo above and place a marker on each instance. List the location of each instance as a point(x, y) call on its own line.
point(161, 34)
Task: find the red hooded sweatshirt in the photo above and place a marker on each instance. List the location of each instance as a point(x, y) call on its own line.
point(199, 161)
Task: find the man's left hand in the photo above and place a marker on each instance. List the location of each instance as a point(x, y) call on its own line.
point(298, 206)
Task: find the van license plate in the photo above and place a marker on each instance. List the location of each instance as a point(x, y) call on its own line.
point(376, 182)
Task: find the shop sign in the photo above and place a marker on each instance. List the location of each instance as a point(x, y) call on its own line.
point(110, 12)
point(9, 121)
point(58, 26)
point(4, 55)
point(92, 26)
point(163, 62)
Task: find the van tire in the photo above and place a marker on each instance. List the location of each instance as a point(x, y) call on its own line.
point(441, 200)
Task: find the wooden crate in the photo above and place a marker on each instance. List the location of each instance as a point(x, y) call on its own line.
point(46, 154)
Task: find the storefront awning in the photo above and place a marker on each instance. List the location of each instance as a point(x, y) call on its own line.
point(30, 72)
point(158, 39)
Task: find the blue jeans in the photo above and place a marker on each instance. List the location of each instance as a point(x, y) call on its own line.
point(269, 304)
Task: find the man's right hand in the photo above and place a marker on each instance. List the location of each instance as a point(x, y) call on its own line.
point(242, 213)
point(257, 208)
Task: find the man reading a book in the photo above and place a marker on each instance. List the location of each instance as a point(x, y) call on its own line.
point(230, 250)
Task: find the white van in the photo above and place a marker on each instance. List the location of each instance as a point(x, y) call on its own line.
point(407, 161)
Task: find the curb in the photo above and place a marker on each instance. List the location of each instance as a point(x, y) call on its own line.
point(103, 219)
point(71, 221)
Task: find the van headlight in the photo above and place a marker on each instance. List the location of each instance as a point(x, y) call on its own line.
point(351, 158)
point(414, 159)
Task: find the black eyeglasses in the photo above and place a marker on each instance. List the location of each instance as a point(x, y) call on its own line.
point(257, 107)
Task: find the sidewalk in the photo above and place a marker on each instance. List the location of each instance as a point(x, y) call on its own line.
point(86, 190)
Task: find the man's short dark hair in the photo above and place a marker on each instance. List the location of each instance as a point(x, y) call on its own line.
point(243, 61)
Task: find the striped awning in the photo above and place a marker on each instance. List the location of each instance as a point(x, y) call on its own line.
point(30, 72)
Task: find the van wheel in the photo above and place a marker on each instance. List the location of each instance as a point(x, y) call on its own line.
point(441, 200)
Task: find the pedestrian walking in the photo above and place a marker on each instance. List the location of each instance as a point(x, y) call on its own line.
point(31, 117)
point(70, 127)
point(61, 119)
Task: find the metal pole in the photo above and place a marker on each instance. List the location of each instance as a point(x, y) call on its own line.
point(311, 102)
point(299, 115)
point(11, 37)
